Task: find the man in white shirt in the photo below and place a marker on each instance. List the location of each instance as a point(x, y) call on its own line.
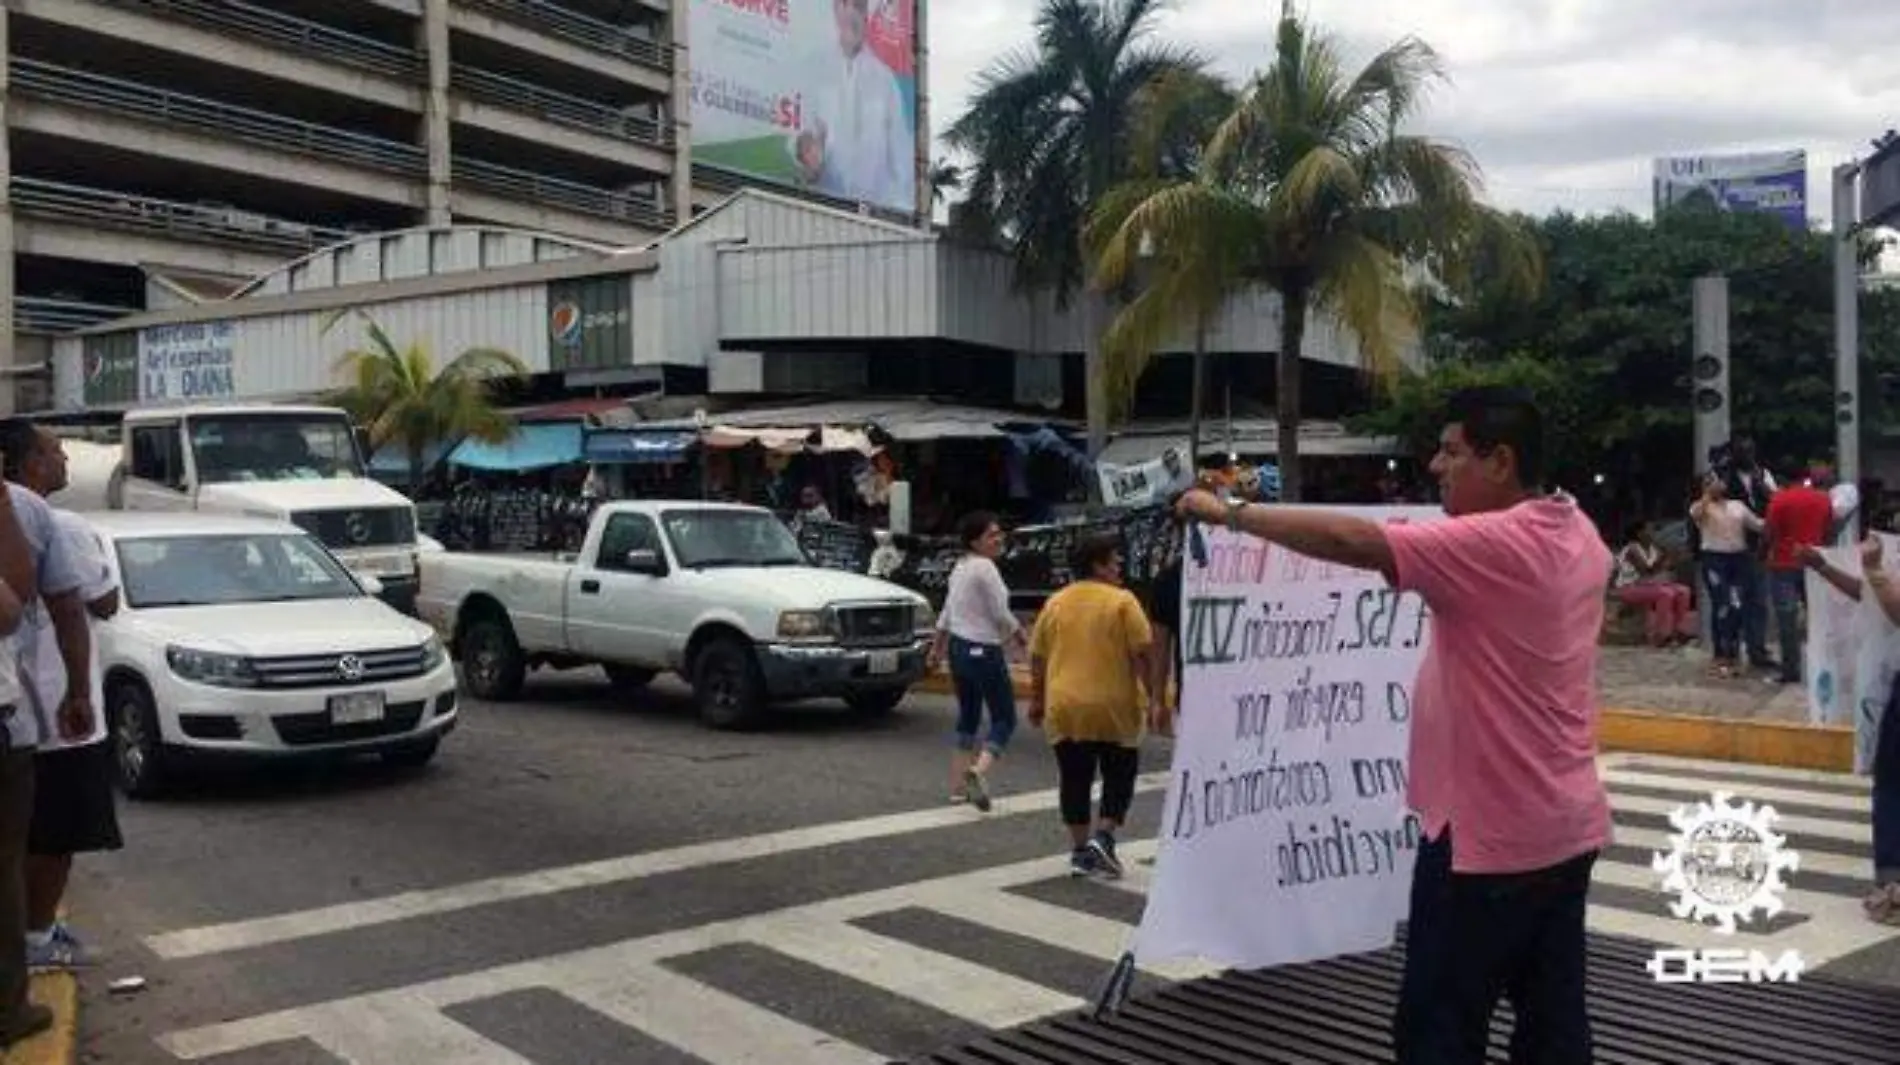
point(855, 142)
point(74, 810)
point(34, 572)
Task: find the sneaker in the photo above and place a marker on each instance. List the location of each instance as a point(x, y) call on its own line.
point(57, 953)
point(978, 789)
point(1083, 861)
point(1103, 847)
point(63, 933)
point(32, 1019)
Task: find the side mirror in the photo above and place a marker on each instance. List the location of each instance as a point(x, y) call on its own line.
point(645, 561)
point(372, 586)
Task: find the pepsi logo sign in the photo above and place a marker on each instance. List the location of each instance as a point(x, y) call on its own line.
point(564, 322)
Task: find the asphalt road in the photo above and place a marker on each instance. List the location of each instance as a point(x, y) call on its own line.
point(582, 877)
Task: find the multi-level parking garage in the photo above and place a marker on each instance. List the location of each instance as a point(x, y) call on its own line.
point(164, 151)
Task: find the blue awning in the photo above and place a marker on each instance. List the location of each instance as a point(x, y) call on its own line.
point(535, 446)
point(392, 460)
point(633, 445)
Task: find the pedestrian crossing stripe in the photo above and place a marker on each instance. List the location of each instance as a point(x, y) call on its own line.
point(637, 983)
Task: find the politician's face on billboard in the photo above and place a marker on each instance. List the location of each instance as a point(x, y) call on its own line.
point(851, 16)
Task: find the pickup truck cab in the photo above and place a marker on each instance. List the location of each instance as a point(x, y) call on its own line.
point(720, 594)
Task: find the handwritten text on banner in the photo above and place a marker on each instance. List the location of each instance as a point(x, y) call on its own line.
point(1284, 834)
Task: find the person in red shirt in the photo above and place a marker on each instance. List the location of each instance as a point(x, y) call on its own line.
point(1799, 516)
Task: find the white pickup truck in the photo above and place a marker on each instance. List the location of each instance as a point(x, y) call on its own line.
point(720, 594)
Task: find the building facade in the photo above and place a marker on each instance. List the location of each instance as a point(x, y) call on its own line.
point(760, 296)
point(165, 152)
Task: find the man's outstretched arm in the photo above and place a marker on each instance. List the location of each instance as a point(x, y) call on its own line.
point(1341, 539)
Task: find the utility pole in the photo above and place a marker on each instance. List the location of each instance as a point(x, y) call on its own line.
point(1847, 333)
point(1709, 385)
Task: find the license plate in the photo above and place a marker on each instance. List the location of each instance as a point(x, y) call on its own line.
point(883, 662)
point(356, 708)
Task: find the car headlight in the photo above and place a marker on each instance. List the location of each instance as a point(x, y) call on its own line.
point(804, 625)
point(433, 653)
point(923, 619)
point(211, 667)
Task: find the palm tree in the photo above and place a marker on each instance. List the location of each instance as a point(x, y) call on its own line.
point(399, 396)
point(1052, 129)
point(946, 177)
point(1311, 187)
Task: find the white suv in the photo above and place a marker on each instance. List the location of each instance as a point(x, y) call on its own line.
point(247, 637)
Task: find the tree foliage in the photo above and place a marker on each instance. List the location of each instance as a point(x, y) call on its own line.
point(1052, 128)
point(1312, 186)
point(400, 397)
point(1614, 325)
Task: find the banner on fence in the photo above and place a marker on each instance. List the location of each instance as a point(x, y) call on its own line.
point(1284, 833)
point(1036, 560)
point(1145, 484)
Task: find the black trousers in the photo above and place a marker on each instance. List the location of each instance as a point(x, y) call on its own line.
point(1077, 762)
point(1472, 939)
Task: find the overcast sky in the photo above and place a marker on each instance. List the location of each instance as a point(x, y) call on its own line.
point(1565, 103)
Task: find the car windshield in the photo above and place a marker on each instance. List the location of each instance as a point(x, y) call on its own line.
point(274, 447)
point(213, 570)
point(702, 538)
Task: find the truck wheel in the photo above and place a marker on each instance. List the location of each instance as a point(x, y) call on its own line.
point(629, 678)
point(880, 703)
point(727, 686)
point(492, 663)
point(138, 747)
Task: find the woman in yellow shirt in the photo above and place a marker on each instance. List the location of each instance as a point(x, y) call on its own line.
point(1091, 645)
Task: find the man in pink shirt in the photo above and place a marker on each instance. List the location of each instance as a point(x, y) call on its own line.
point(1503, 770)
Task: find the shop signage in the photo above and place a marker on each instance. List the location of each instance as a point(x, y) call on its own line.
point(189, 361)
point(112, 370)
point(590, 323)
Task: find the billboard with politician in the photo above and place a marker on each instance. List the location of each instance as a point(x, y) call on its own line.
point(819, 95)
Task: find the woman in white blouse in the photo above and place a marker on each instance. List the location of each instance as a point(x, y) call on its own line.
point(1724, 525)
point(976, 630)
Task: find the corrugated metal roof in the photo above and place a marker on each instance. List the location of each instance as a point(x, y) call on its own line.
point(1146, 441)
point(905, 419)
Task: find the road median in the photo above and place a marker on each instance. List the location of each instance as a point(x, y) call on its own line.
point(1783, 744)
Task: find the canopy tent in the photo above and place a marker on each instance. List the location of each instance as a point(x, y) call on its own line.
point(534, 446)
point(824, 440)
point(634, 446)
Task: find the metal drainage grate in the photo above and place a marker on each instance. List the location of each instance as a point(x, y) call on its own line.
point(1339, 1012)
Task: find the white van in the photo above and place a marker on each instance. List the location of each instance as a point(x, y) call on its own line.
point(301, 464)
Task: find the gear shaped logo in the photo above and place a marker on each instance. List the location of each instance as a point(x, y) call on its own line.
point(1725, 862)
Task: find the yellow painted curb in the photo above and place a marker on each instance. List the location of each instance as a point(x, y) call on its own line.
point(59, 1044)
point(1790, 745)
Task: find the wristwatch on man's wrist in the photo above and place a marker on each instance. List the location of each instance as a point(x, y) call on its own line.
point(1234, 507)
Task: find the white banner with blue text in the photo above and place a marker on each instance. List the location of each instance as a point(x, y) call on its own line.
point(1284, 835)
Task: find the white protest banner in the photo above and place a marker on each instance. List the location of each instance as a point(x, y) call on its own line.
point(1853, 652)
point(1284, 834)
point(1146, 483)
point(1833, 644)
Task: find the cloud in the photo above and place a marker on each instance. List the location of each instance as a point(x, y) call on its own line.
point(1566, 103)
